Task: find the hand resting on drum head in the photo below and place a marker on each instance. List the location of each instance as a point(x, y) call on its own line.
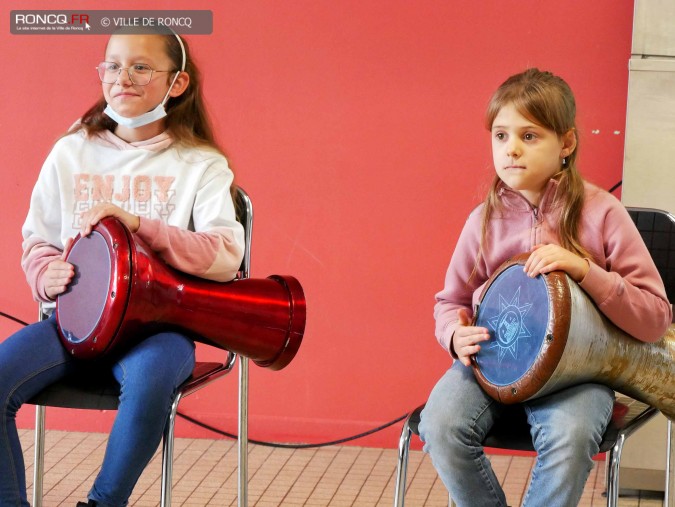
point(548, 258)
point(466, 340)
point(100, 211)
point(59, 274)
point(543, 259)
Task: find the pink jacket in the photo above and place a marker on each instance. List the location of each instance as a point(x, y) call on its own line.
point(624, 284)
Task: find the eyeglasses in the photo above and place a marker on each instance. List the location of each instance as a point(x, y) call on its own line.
point(140, 74)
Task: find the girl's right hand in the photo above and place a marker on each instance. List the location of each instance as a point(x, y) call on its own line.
point(58, 274)
point(467, 337)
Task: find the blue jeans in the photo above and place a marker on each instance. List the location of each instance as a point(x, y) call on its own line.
point(566, 428)
point(148, 374)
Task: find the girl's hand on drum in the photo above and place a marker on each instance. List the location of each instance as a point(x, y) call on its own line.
point(58, 274)
point(547, 258)
point(466, 338)
point(100, 211)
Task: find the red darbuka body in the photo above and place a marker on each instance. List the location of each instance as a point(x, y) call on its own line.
point(122, 291)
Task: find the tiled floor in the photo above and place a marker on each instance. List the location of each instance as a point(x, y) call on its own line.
point(205, 474)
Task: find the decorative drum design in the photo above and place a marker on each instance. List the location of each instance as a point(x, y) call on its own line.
point(546, 334)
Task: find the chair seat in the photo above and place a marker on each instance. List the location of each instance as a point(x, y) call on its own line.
point(101, 392)
point(79, 391)
point(205, 373)
point(513, 431)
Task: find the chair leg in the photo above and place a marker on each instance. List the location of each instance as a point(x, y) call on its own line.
point(613, 462)
point(402, 468)
point(614, 459)
point(167, 454)
point(39, 463)
point(242, 439)
point(669, 497)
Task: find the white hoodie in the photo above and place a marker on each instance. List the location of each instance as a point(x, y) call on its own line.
point(181, 194)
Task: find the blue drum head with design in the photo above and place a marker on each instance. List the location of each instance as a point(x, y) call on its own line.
point(515, 309)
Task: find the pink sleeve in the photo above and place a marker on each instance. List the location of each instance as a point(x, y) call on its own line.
point(628, 289)
point(37, 254)
point(213, 254)
point(457, 293)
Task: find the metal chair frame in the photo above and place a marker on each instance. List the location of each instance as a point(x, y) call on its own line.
point(613, 445)
point(613, 440)
point(203, 374)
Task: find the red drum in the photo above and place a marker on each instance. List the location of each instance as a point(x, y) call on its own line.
point(122, 291)
point(546, 334)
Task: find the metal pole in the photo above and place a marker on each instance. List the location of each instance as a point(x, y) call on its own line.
point(39, 464)
point(669, 497)
point(242, 439)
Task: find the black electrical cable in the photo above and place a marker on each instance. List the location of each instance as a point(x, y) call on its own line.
point(615, 186)
point(10, 317)
point(298, 445)
point(260, 442)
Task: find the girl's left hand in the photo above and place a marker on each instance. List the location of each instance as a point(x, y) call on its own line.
point(547, 258)
point(100, 211)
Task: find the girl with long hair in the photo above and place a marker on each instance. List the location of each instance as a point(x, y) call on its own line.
point(145, 154)
point(538, 203)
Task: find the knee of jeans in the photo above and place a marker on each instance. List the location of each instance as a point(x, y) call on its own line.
point(141, 390)
point(439, 429)
point(142, 404)
point(11, 400)
point(147, 391)
point(586, 440)
point(11, 405)
point(577, 439)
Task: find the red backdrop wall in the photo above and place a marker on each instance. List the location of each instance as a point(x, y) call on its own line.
point(357, 129)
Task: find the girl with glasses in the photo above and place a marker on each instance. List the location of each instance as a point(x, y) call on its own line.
point(145, 154)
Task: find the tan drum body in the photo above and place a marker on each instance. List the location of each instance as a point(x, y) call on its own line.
point(579, 345)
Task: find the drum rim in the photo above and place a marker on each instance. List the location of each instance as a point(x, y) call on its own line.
point(117, 238)
point(296, 323)
point(530, 384)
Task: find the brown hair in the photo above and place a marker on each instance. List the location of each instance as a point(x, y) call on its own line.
point(548, 101)
point(187, 121)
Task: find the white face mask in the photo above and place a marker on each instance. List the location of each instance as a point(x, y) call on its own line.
point(138, 121)
point(153, 115)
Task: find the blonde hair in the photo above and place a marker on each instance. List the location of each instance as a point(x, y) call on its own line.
point(548, 101)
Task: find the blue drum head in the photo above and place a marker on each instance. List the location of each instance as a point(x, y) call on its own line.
point(515, 309)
